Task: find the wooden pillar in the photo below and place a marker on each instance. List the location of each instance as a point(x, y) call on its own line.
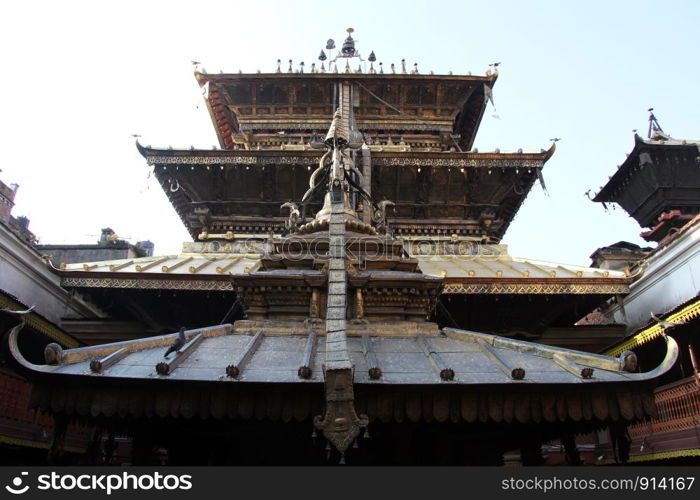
point(366, 183)
point(58, 440)
point(141, 445)
point(571, 450)
point(93, 454)
point(621, 441)
point(531, 449)
point(110, 447)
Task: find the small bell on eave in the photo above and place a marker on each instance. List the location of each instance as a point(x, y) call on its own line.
point(372, 57)
point(322, 56)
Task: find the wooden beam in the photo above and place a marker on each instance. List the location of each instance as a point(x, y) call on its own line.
point(234, 370)
point(516, 373)
point(436, 361)
point(306, 370)
point(166, 368)
point(98, 365)
point(571, 367)
point(375, 372)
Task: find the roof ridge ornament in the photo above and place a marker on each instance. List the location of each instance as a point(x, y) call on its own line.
point(347, 50)
point(655, 132)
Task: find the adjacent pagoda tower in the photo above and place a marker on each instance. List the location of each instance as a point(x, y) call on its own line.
point(658, 184)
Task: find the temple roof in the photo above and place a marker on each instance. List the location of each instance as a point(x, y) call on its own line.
point(404, 353)
point(507, 267)
point(687, 312)
point(658, 175)
point(10, 305)
point(242, 105)
point(632, 163)
point(460, 273)
point(434, 192)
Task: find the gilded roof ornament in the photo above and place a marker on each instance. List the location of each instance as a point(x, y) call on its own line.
point(348, 49)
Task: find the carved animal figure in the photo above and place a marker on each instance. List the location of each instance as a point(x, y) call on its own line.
point(379, 216)
point(294, 216)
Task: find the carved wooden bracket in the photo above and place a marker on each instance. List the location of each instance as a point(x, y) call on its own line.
point(340, 424)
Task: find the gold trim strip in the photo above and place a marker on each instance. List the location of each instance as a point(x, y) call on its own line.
point(484, 266)
point(664, 455)
point(535, 288)
point(507, 263)
point(460, 264)
point(228, 266)
point(28, 443)
point(167, 269)
point(689, 312)
point(196, 269)
point(140, 268)
point(572, 273)
point(147, 284)
point(40, 324)
point(539, 268)
point(113, 268)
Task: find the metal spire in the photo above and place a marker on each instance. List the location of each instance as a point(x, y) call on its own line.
point(654, 126)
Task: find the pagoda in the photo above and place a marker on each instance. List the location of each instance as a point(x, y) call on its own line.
point(658, 185)
point(346, 297)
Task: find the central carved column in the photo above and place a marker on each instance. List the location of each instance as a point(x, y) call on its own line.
point(340, 423)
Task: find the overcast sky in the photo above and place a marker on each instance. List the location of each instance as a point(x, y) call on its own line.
point(80, 77)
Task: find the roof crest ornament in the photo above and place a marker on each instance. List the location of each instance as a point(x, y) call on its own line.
point(347, 51)
point(655, 132)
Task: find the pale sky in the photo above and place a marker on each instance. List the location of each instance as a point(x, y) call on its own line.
point(80, 77)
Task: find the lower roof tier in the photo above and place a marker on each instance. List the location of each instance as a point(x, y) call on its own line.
point(479, 287)
point(257, 356)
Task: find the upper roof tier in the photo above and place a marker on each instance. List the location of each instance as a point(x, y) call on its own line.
point(470, 194)
point(659, 175)
point(437, 112)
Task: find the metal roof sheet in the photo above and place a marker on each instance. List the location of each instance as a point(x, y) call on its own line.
point(473, 357)
point(505, 266)
point(187, 264)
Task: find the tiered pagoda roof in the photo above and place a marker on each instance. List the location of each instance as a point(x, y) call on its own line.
point(334, 302)
point(238, 191)
point(418, 132)
point(658, 184)
point(424, 112)
point(474, 378)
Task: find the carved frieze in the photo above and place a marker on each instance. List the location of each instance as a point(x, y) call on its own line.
point(233, 160)
point(535, 288)
point(151, 284)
